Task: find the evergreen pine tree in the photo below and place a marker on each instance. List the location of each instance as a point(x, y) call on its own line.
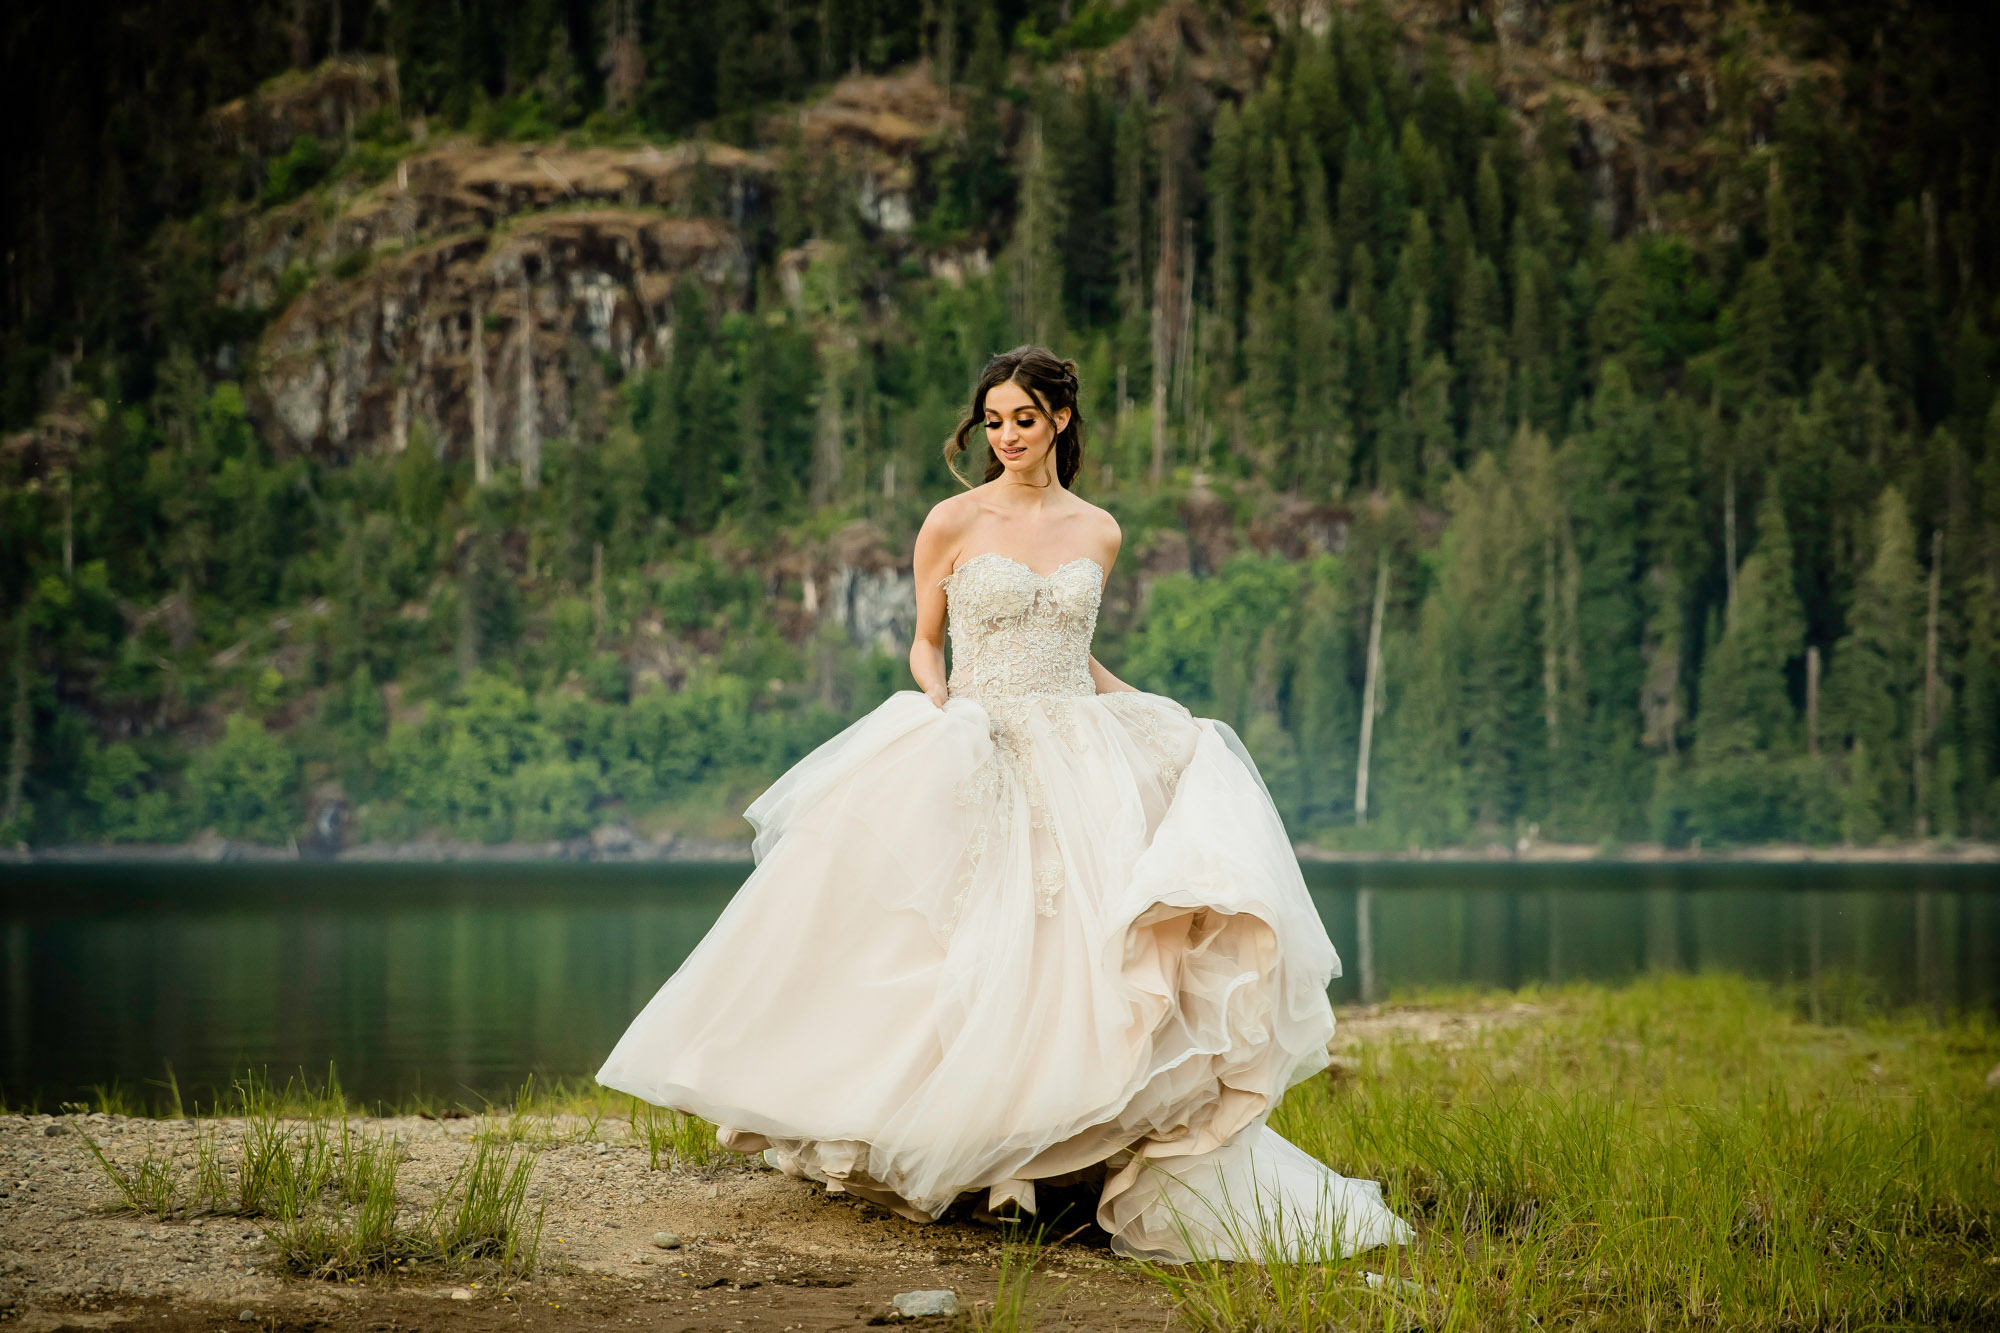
point(1490, 226)
point(1746, 705)
point(1877, 682)
point(1320, 434)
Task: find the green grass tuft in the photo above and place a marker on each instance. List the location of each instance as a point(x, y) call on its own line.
point(1017, 1298)
point(673, 1137)
point(151, 1188)
point(357, 1233)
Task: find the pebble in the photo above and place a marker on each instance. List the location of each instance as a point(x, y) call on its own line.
point(1379, 1283)
point(666, 1240)
point(246, 1316)
point(921, 1304)
point(461, 1293)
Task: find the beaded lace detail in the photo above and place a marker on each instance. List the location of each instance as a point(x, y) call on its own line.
point(1016, 632)
point(1020, 642)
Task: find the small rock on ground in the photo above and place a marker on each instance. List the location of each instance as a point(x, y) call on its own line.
point(666, 1240)
point(918, 1304)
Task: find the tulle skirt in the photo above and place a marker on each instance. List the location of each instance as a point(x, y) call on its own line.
point(1027, 939)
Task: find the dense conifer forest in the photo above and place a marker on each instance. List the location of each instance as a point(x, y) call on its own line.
point(1571, 421)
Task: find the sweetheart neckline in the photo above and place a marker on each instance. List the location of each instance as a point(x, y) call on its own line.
point(1022, 564)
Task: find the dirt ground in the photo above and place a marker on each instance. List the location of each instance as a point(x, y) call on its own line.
point(760, 1252)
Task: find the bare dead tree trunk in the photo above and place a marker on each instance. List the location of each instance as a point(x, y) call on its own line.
point(597, 611)
point(479, 443)
point(528, 432)
point(1933, 684)
point(1166, 289)
point(1370, 686)
point(1551, 656)
point(827, 433)
point(468, 615)
point(1195, 414)
point(1729, 538)
point(1158, 469)
point(1933, 689)
point(1184, 339)
point(1570, 582)
point(1812, 701)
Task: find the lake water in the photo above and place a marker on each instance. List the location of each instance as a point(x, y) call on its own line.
point(457, 981)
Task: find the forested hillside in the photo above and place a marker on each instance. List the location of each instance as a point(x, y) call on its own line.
point(505, 420)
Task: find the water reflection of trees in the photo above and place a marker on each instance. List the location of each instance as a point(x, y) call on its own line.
point(1922, 935)
point(459, 982)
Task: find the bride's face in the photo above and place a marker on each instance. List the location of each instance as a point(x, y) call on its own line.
point(1019, 431)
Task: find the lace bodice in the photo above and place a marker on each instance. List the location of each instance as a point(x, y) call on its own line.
point(1017, 633)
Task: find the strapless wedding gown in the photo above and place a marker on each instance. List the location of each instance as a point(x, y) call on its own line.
point(1042, 933)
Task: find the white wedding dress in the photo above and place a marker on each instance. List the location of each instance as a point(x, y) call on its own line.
point(1040, 933)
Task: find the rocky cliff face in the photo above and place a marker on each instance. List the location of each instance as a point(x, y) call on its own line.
point(865, 588)
point(472, 289)
point(472, 277)
point(472, 333)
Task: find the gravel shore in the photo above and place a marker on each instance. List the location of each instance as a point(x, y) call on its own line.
point(759, 1250)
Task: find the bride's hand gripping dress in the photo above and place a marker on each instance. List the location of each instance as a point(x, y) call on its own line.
point(1038, 932)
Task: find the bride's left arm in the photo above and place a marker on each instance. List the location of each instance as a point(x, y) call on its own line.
point(1107, 683)
point(1100, 675)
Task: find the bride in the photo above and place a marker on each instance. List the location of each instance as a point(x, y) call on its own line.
point(1024, 923)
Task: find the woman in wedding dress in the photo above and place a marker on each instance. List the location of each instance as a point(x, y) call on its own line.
point(1024, 923)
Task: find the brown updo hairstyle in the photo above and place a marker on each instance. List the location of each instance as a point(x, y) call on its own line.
point(1051, 381)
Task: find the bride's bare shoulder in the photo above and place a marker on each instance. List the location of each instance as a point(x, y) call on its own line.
point(957, 503)
point(951, 516)
point(1100, 525)
point(944, 528)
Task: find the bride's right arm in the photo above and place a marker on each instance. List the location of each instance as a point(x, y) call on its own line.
point(937, 543)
